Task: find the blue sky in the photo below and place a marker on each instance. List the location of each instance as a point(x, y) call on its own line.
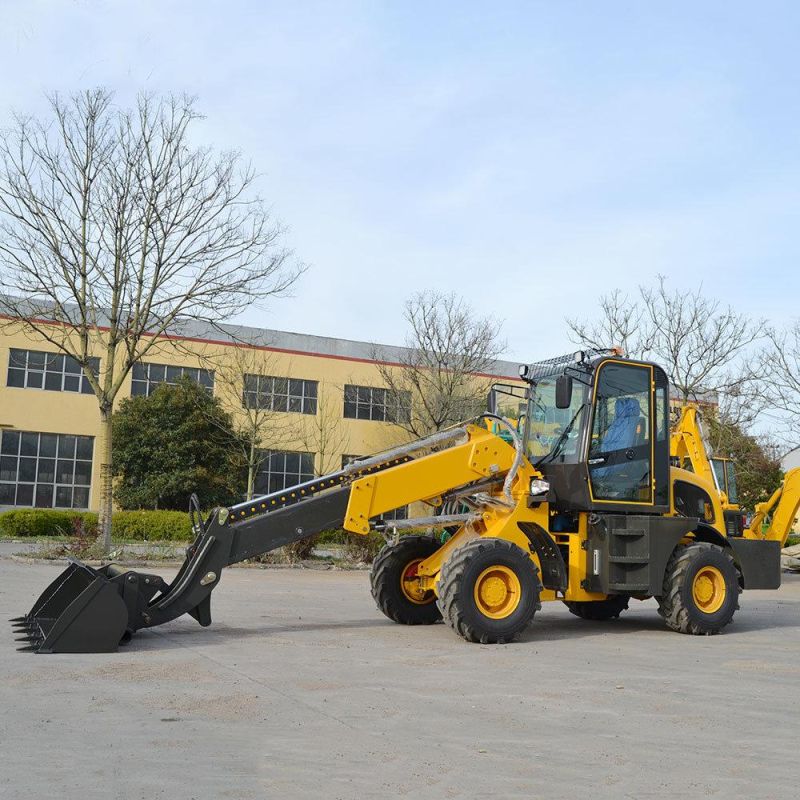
point(528, 155)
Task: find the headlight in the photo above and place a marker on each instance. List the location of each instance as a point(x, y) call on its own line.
point(538, 486)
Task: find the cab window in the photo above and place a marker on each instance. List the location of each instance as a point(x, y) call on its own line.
point(719, 472)
point(733, 491)
point(620, 450)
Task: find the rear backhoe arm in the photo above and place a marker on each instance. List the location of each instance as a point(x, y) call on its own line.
point(781, 510)
point(688, 444)
point(93, 610)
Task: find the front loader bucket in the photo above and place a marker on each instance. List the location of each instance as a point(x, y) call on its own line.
point(81, 611)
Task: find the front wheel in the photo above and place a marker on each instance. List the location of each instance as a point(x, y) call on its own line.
point(489, 591)
point(701, 589)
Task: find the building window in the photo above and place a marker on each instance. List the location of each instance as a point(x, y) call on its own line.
point(34, 369)
point(369, 402)
point(47, 470)
point(146, 377)
point(398, 513)
point(280, 394)
point(283, 468)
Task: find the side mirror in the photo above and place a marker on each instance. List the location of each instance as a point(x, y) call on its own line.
point(563, 391)
point(491, 401)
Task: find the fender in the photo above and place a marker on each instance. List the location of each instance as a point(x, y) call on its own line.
point(706, 533)
point(554, 570)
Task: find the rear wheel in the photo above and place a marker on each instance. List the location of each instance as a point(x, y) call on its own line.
point(489, 591)
point(701, 589)
point(393, 584)
point(599, 610)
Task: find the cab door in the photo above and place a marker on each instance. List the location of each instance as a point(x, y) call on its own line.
point(621, 442)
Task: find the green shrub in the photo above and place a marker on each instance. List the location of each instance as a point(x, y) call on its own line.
point(333, 537)
point(152, 526)
point(125, 525)
point(44, 522)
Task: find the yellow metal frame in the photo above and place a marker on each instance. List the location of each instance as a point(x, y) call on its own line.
point(781, 509)
point(686, 443)
point(481, 455)
point(426, 478)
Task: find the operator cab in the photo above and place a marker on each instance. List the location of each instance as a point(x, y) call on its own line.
point(597, 428)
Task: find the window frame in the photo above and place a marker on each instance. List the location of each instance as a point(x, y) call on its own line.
point(169, 378)
point(266, 395)
point(375, 404)
point(61, 452)
point(306, 470)
point(67, 370)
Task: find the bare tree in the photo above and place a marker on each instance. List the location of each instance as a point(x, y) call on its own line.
point(246, 375)
point(442, 377)
point(620, 323)
point(325, 433)
point(704, 346)
point(119, 230)
point(780, 363)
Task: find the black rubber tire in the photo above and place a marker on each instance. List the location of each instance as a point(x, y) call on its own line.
point(385, 581)
point(676, 603)
point(599, 610)
point(456, 590)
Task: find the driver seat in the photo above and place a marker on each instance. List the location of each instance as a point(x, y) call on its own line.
point(621, 434)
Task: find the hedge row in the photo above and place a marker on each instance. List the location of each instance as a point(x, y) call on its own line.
point(125, 525)
point(155, 526)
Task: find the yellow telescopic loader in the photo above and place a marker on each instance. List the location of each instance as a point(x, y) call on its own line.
point(585, 498)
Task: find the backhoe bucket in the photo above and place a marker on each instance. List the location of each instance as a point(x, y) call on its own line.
point(81, 611)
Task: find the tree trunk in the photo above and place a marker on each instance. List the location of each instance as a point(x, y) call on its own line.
point(106, 483)
point(251, 471)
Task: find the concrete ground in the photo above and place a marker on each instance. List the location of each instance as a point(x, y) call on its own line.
point(301, 689)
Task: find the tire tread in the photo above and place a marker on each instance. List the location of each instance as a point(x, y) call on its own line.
point(450, 586)
point(672, 605)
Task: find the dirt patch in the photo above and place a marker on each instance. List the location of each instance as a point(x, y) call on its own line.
point(224, 708)
point(135, 672)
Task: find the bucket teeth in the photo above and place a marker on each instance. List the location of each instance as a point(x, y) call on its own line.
point(19, 619)
point(29, 649)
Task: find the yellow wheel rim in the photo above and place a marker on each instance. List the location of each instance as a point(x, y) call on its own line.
point(409, 585)
point(708, 589)
point(497, 592)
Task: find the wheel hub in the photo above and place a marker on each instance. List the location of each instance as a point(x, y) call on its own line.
point(708, 589)
point(410, 585)
point(497, 592)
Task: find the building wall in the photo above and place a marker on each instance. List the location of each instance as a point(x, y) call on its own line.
point(791, 460)
point(59, 412)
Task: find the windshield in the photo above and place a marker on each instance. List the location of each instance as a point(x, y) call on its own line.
point(553, 434)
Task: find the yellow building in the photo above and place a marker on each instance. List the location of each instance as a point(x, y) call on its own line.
point(324, 396)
